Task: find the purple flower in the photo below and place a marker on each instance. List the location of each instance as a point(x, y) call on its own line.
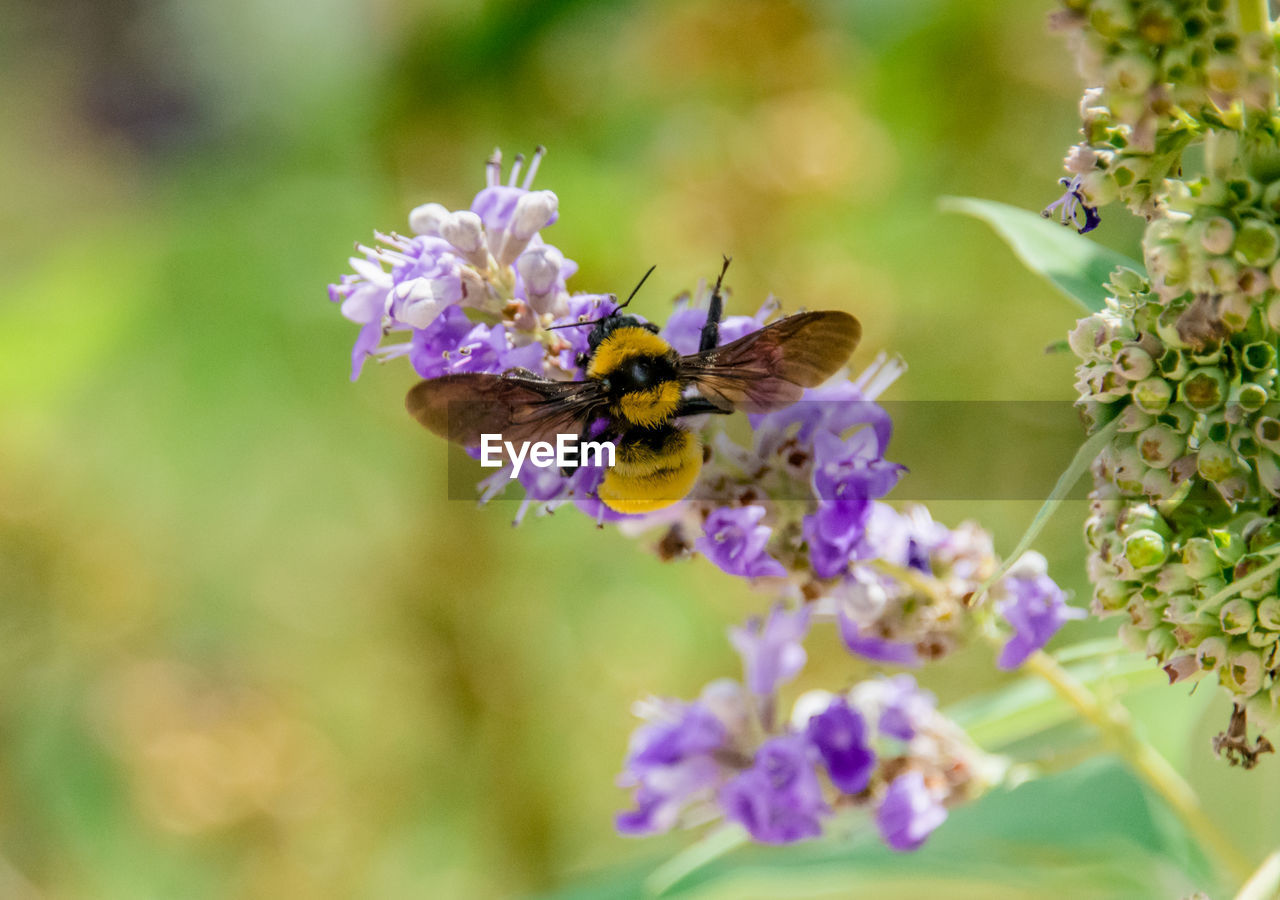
point(904, 707)
point(840, 736)
point(583, 308)
point(834, 407)
point(1071, 205)
point(908, 814)
point(831, 532)
point(497, 204)
point(779, 799)
point(670, 762)
point(852, 468)
point(874, 648)
point(683, 330)
point(1036, 608)
point(734, 540)
point(772, 652)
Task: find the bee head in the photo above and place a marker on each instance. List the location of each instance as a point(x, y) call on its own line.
point(605, 325)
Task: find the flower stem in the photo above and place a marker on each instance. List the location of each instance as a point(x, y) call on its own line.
point(1116, 727)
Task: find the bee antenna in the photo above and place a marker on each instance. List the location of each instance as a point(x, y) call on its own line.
point(636, 289)
point(724, 268)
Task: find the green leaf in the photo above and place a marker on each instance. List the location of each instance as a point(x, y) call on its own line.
point(1076, 265)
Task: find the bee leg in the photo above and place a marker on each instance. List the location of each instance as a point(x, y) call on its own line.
point(696, 406)
point(711, 331)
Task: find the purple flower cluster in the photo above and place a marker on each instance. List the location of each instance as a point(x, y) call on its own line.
point(489, 260)
point(881, 747)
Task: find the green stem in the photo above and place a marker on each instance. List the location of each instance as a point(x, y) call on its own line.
point(1264, 884)
point(1116, 726)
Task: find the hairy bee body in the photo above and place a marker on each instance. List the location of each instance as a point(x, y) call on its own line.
point(653, 469)
point(642, 387)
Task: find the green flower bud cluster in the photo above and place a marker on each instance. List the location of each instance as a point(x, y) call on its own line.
point(1181, 363)
point(1181, 509)
point(1161, 72)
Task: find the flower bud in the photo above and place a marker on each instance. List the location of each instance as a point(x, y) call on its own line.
point(1267, 431)
point(1130, 73)
point(1257, 243)
point(1258, 356)
point(1215, 462)
point(1253, 282)
point(1160, 445)
point(539, 268)
point(1243, 671)
point(1268, 613)
point(1160, 642)
point(1237, 616)
point(1211, 651)
point(534, 211)
point(1111, 595)
point(1251, 397)
point(464, 230)
point(1158, 484)
point(1174, 365)
point(1087, 335)
point(1152, 395)
point(1200, 557)
point(1133, 419)
point(416, 303)
point(1203, 389)
point(1145, 550)
point(426, 219)
point(1229, 546)
point(1217, 235)
point(1268, 469)
point(1134, 363)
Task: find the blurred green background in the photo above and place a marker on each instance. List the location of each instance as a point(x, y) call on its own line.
point(247, 649)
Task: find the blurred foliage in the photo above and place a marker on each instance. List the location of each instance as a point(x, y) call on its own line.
point(247, 649)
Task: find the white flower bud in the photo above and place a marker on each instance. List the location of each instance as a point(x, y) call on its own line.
point(533, 211)
point(539, 268)
point(426, 219)
point(417, 302)
point(464, 230)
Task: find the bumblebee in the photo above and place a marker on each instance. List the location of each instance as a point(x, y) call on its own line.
point(642, 388)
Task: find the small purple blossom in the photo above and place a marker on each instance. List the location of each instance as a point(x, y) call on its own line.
point(831, 532)
point(772, 651)
point(909, 813)
point(735, 540)
point(873, 648)
point(851, 468)
point(670, 761)
point(779, 799)
point(903, 707)
point(1071, 205)
point(1036, 608)
point(840, 736)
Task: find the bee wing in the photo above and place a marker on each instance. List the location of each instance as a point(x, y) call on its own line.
point(770, 368)
point(462, 407)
